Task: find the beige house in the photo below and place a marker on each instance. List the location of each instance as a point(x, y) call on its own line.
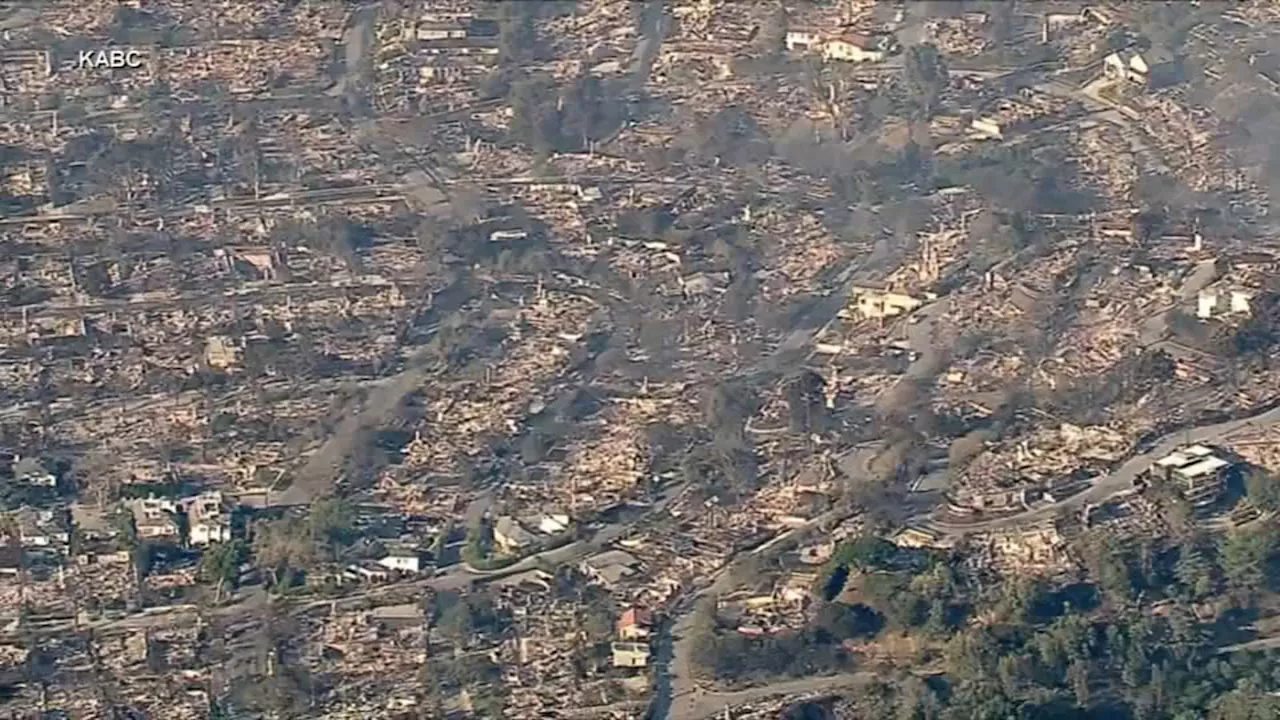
point(630, 654)
point(209, 520)
point(221, 352)
point(875, 303)
point(1196, 471)
point(851, 47)
point(154, 518)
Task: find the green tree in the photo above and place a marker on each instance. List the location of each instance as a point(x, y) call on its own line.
point(598, 619)
point(843, 622)
point(1111, 565)
point(916, 701)
point(1078, 677)
point(972, 654)
point(441, 541)
point(1246, 557)
point(1262, 488)
point(1194, 572)
point(331, 522)
point(284, 549)
point(221, 565)
point(478, 545)
point(1021, 598)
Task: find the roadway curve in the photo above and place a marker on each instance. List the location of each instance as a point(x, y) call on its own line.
point(678, 695)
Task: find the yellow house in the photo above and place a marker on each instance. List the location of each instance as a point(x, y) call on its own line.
point(852, 47)
point(630, 654)
point(873, 303)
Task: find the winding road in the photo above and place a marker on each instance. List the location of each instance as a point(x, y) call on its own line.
point(1120, 479)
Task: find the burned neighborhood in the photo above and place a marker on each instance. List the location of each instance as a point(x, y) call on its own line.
point(663, 359)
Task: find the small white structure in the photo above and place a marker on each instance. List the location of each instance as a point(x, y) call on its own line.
point(405, 562)
point(987, 128)
point(208, 517)
point(1138, 68)
point(1119, 67)
point(873, 303)
point(802, 39)
point(507, 235)
point(441, 31)
point(1216, 303)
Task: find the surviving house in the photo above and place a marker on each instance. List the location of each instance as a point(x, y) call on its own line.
point(870, 302)
point(154, 518)
point(1197, 472)
point(429, 31)
point(802, 40)
point(405, 561)
point(552, 523)
point(635, 624)
point(400, 616)
point(853, 47)
point(208, 518)
point(367, 572)
point(1153, 68)
point(630, 654)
